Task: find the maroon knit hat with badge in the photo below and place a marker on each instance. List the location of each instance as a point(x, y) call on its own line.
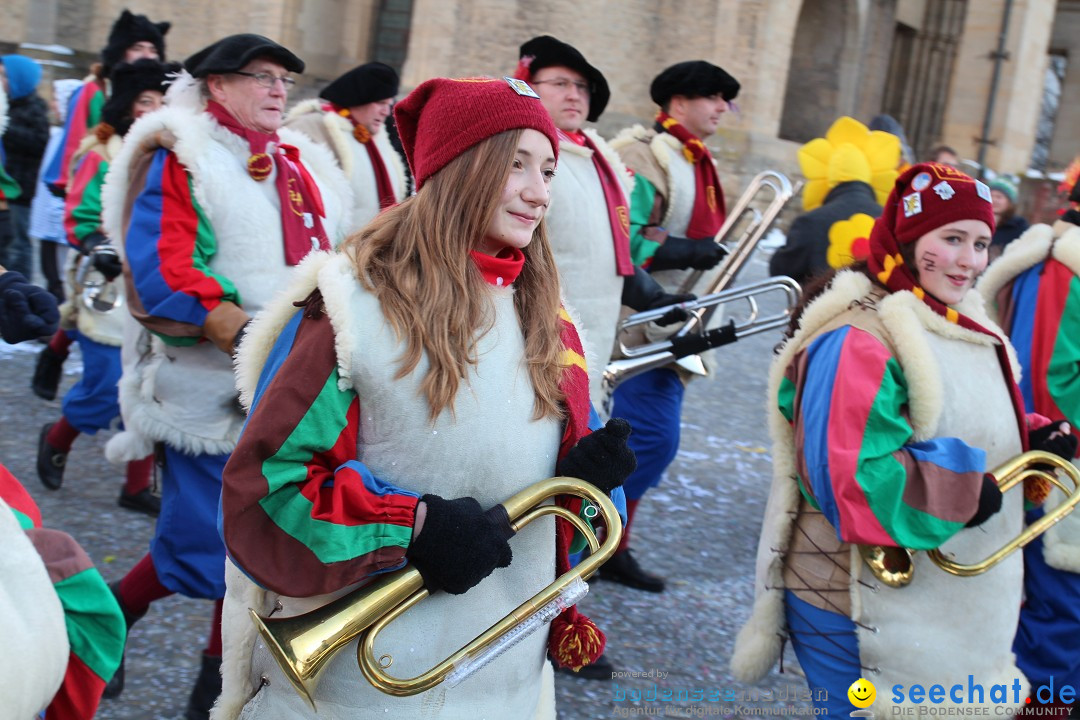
point(930, 195)
point(444, 117)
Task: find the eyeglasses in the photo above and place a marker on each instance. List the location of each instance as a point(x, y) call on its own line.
point(565, 84)
point(267, 80)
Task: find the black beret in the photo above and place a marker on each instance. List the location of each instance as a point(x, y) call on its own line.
point(547, 51)
point(368, 83)
point(235, 51)
point(129, 29)
point(129, 80)
point(693, 78)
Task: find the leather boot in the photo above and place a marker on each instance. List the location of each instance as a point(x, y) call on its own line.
point(206, 690)
point(624, 569)
point(47, 371)
point(50, 461)
point(115, 686)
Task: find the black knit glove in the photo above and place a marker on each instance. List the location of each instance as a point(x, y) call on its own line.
point(1063, 446)
point(26, 310)
point(675, 314)
point(601, 458)
point(678, 253)
point(989, 502)
point(460, 544)
point(108, 265)
point(91, 241)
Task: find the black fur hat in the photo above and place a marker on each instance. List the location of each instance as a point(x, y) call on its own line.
point(129, 29)
point(129, 80)
point(693, 78)
point(365, 84)
point(546, 51)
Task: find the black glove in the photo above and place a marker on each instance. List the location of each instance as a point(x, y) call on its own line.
point(1063, 446)
point(989, 502)
point(601, 458)
point(108, 265)
point(26, 310)
point(642, 292)
point(460, 544)
point(678, 253)
point(91, 241)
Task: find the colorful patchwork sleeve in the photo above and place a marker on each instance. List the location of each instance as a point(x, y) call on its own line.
point(643, 213)
point(83, 113)
point(1045, 330)
point(9, 187)
point(169, 245)
point(846, 398)
point(301, 515)
point(82, 207)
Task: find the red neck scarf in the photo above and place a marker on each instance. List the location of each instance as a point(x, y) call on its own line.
point(709, 210)
point(887, 265)
point(301, 203)
point(502, 269)
point(618, 211)
point(363, 136)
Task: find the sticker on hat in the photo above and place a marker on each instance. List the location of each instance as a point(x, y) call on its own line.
point(984, 191)
point(944, 190)
point(921, 181)
point(912, 204)
point(521, 87)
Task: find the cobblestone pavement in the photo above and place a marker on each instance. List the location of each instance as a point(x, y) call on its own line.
point(698, 528)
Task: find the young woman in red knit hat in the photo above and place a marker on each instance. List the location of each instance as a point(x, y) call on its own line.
point(891, 401)
point(429, 374)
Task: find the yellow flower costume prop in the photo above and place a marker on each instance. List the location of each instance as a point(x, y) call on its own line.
point(849, 151)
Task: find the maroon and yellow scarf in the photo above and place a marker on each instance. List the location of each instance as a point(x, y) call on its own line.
point(709, 211)
point(363, 136)
point(301, 203)
point(617, 208)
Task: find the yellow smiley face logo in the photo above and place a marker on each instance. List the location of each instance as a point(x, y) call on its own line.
point(862, 693)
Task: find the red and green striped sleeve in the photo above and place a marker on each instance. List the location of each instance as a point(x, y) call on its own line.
point(845, 396)
point(169, 245)
point(9, 187)
point(84, 112)
point(300, 514)
point(642, 214)
point(82, 206)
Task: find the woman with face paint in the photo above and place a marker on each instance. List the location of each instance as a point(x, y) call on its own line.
point(893, 397)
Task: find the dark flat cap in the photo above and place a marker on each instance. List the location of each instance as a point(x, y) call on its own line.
point(693, 78)
point(365, 84)
point(235, 51)
point(547, 51)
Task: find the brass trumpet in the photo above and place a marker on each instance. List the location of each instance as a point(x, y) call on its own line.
point(893, 566)
point(303, 644)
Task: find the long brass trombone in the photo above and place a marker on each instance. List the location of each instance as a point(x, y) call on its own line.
point(303, 644)
point(893, 566)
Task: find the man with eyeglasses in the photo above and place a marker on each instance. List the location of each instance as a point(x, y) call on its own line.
point(350, 120)
point(212, 207)
point(132, 37)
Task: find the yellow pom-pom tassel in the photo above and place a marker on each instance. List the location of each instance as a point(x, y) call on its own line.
point(575, 641)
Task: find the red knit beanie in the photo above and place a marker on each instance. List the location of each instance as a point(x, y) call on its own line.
point(444, 117)
point(930, 195)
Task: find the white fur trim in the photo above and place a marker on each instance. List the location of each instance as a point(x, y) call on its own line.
point(239, 635)
point(3, 111)
point(1067, 249)
point(1025, 252)
point(127, 445)
point(625, 177)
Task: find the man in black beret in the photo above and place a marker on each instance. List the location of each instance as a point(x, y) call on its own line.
point(676, 209)
point(350, 120)
point(218, 208)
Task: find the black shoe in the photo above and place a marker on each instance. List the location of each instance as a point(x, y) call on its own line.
point(206, 690)
point(50, 461)
point(623, 568)
point(143, 501)
point(47, 373)
point(115, 686)
point(601, 669)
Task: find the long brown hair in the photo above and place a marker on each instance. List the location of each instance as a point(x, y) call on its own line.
point(415, 258)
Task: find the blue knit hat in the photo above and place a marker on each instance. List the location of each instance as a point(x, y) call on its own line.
point(23, 75)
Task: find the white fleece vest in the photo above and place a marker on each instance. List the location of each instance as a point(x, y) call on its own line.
point(185, 396)
point(579, 230)
point(940, 628)
point(1061, 543)
point(491, 450)
point(352, 157)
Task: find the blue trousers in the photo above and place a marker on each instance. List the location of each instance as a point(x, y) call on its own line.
point(828, 651)
point(93, 402)
point(186, 549)
point(652, 404)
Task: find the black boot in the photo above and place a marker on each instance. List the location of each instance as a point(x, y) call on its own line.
point(115, 686)
point(602, 669)
point(206, 690)
point(623, 568)
point(47, 371)
point(143, 501)
point(50, 461)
